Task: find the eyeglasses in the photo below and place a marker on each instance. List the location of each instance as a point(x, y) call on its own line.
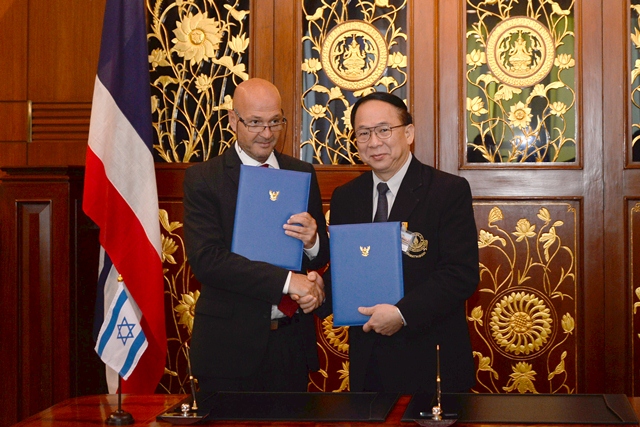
point(276, 126)
point(382, 132)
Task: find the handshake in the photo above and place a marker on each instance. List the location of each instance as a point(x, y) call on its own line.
point(307, 291)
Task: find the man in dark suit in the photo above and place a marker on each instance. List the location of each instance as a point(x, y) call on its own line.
point(395, 350)
point(242, 340)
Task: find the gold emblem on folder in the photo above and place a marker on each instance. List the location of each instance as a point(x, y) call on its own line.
point(273, 195)
point(365, 250)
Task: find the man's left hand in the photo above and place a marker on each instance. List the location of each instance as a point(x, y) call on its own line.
point(385, 319)
point(302, 226)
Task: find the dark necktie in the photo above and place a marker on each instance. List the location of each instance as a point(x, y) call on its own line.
point(383, 205)
point(286, 305)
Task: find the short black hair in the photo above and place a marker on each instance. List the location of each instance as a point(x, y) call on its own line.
point(389, 98)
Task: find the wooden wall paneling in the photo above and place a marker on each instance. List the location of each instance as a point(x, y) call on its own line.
point(590, 136)
point(13, 153)
point(57, 153)
point(616, 133)
point(41, 284)
point(450, 89)
point(423, 96)
point(261, 49)
point(13, 86)
point(86, 369)
point(582, 181)
point(13, 50)
point(35, 297)
point(64, 46)
point(63, 52)
point(9, 326)
point(59, 133)
point(14, 121)
point(273, 55)
point(286, 72)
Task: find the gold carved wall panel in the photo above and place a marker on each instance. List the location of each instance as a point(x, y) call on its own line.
point(633, 209)
point(349, 49)
point(181, 291)
point(523, 319)
point(520, 82)
point(198, 54)
point(333, 352)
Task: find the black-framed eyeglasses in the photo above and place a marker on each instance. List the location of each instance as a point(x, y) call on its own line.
point(382, 132)
point(275, 126)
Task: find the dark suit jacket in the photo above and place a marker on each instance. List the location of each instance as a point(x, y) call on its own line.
point(437, 205)
point(232, 321)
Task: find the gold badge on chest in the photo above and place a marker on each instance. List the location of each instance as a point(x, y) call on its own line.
point(414, 244)
point(418, 247)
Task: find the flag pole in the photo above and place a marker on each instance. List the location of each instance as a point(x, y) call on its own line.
point(120, 417)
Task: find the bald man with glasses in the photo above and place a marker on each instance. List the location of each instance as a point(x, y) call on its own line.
point(242, 340)
point(395, 351)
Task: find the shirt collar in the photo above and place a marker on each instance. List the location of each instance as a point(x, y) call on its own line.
point(395, 181)
point(272, 161)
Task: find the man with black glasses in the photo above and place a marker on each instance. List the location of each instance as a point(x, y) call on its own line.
point(242, 340)
point(395, 351)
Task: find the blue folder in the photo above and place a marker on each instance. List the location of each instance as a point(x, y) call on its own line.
point(366, 269)
point(266, 199)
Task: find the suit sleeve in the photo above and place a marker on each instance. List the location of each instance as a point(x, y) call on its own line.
point(209, 209)
point(316, 211)
point(454, 272)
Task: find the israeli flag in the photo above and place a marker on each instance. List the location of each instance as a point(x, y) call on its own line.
point(121, 340)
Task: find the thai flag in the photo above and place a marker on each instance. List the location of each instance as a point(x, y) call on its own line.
point(120, 194)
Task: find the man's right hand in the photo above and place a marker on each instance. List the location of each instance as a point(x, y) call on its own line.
point(307, 291)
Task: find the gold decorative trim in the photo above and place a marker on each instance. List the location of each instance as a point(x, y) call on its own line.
point(522, 62)
point(523, 316)
point(521, 323)
point(354, 55)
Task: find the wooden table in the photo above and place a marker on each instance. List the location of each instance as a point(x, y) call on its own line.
point(93, 410)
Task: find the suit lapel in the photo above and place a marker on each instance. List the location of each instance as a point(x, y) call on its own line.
point(362, 203)
point(285, 162)
point(232, 165)
point(413, 189)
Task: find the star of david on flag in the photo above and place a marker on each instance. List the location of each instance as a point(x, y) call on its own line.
point(121, 340)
